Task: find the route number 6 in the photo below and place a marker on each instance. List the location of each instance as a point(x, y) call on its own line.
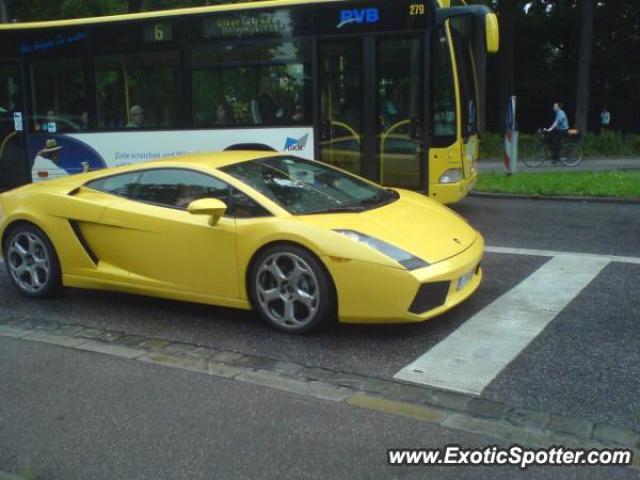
point(158, 32)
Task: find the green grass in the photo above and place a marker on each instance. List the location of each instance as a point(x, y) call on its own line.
point(596, 184)
point(608, 144)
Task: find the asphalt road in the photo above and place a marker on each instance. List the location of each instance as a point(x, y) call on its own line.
point(585, 364)
point(600, 228)
point(73, 415)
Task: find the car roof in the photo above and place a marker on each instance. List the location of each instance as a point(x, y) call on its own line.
point(209, 160)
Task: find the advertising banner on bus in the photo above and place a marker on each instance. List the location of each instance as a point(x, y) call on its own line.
point(55, 155)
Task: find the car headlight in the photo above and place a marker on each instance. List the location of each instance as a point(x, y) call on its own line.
point(404, 258)
point(451, 176)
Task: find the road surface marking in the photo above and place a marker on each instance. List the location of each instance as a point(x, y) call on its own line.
point(474, 354)
point(552, 253)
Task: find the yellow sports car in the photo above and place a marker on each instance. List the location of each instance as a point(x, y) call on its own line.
point(300, 241)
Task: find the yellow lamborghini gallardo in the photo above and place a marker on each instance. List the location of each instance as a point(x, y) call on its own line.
point(301, 242)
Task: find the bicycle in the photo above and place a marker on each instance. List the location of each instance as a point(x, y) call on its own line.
point(571, 153)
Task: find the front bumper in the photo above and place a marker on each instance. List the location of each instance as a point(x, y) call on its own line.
point(370, 293)
point(453, 192)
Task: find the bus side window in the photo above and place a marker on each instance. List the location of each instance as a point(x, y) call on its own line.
point(59, 96)
point(250, 92)
point(138, 91)
point(281, 94)
point(249, 95)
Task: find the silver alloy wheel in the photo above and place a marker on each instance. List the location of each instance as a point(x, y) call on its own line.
point(287, 289)
point(28, 262)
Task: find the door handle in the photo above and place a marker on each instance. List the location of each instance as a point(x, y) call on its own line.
point(415, 129)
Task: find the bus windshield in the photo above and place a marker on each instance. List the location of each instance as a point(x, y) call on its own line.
point(460, 34)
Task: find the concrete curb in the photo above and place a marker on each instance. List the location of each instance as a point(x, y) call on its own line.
point(427, 404)
point(557, 198)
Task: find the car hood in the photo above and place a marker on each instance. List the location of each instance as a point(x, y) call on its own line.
point(414, 223)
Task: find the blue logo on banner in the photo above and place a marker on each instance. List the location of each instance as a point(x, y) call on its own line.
point(359, 16)
point(293, 145)
point(71, 155)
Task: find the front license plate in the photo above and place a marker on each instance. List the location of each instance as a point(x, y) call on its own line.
point(464, 280)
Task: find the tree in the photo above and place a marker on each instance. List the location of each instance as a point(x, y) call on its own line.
point(584, 64)
point(507, 16)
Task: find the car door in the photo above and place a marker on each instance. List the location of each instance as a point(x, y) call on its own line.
point(151, 234)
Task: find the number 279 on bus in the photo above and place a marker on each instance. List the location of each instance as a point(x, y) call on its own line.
point(416, 9)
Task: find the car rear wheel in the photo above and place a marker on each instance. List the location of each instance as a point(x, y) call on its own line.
point(291, 289)
point(32, 262)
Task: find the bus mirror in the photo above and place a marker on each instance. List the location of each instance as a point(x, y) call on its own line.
point(490, 30)
point(492, 33)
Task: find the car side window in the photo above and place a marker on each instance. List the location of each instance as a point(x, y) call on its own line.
point(242, 206)
point(123, 185)
point(177, 188)
point(172, 187)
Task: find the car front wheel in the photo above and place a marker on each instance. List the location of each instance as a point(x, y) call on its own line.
point(291, 289)
point(32, 262)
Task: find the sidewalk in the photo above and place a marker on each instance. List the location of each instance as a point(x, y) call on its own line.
point(74, 415)
point(587, 165)
point(80, 414)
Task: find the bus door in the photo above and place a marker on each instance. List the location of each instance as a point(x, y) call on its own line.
point(371, 108)
point(342, 104)
point(401, 153)
point(14, 170)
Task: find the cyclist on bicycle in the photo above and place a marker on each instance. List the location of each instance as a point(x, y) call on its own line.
point(557, 131)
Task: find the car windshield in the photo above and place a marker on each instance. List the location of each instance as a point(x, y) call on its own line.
point(305, 187)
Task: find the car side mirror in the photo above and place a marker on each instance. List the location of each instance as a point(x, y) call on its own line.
point(212, 207)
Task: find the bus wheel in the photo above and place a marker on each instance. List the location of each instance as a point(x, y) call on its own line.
point(32, 262)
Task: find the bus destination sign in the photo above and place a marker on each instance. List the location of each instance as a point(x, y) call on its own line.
point(249, 23)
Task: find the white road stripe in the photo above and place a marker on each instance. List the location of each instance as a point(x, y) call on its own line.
point(553, 253)
point(474, 354)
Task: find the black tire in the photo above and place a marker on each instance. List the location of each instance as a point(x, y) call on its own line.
point(28, 247)
point(536, 156)
point(571, 154)
point(300, 300)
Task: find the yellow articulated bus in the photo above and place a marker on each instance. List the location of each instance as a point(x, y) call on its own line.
point(388, 89)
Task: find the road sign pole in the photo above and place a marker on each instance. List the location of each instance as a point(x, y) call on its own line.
point(511, 139)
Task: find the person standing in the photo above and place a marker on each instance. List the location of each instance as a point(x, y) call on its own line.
point(605, 119)
point(271, 112)
point(558, 130)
